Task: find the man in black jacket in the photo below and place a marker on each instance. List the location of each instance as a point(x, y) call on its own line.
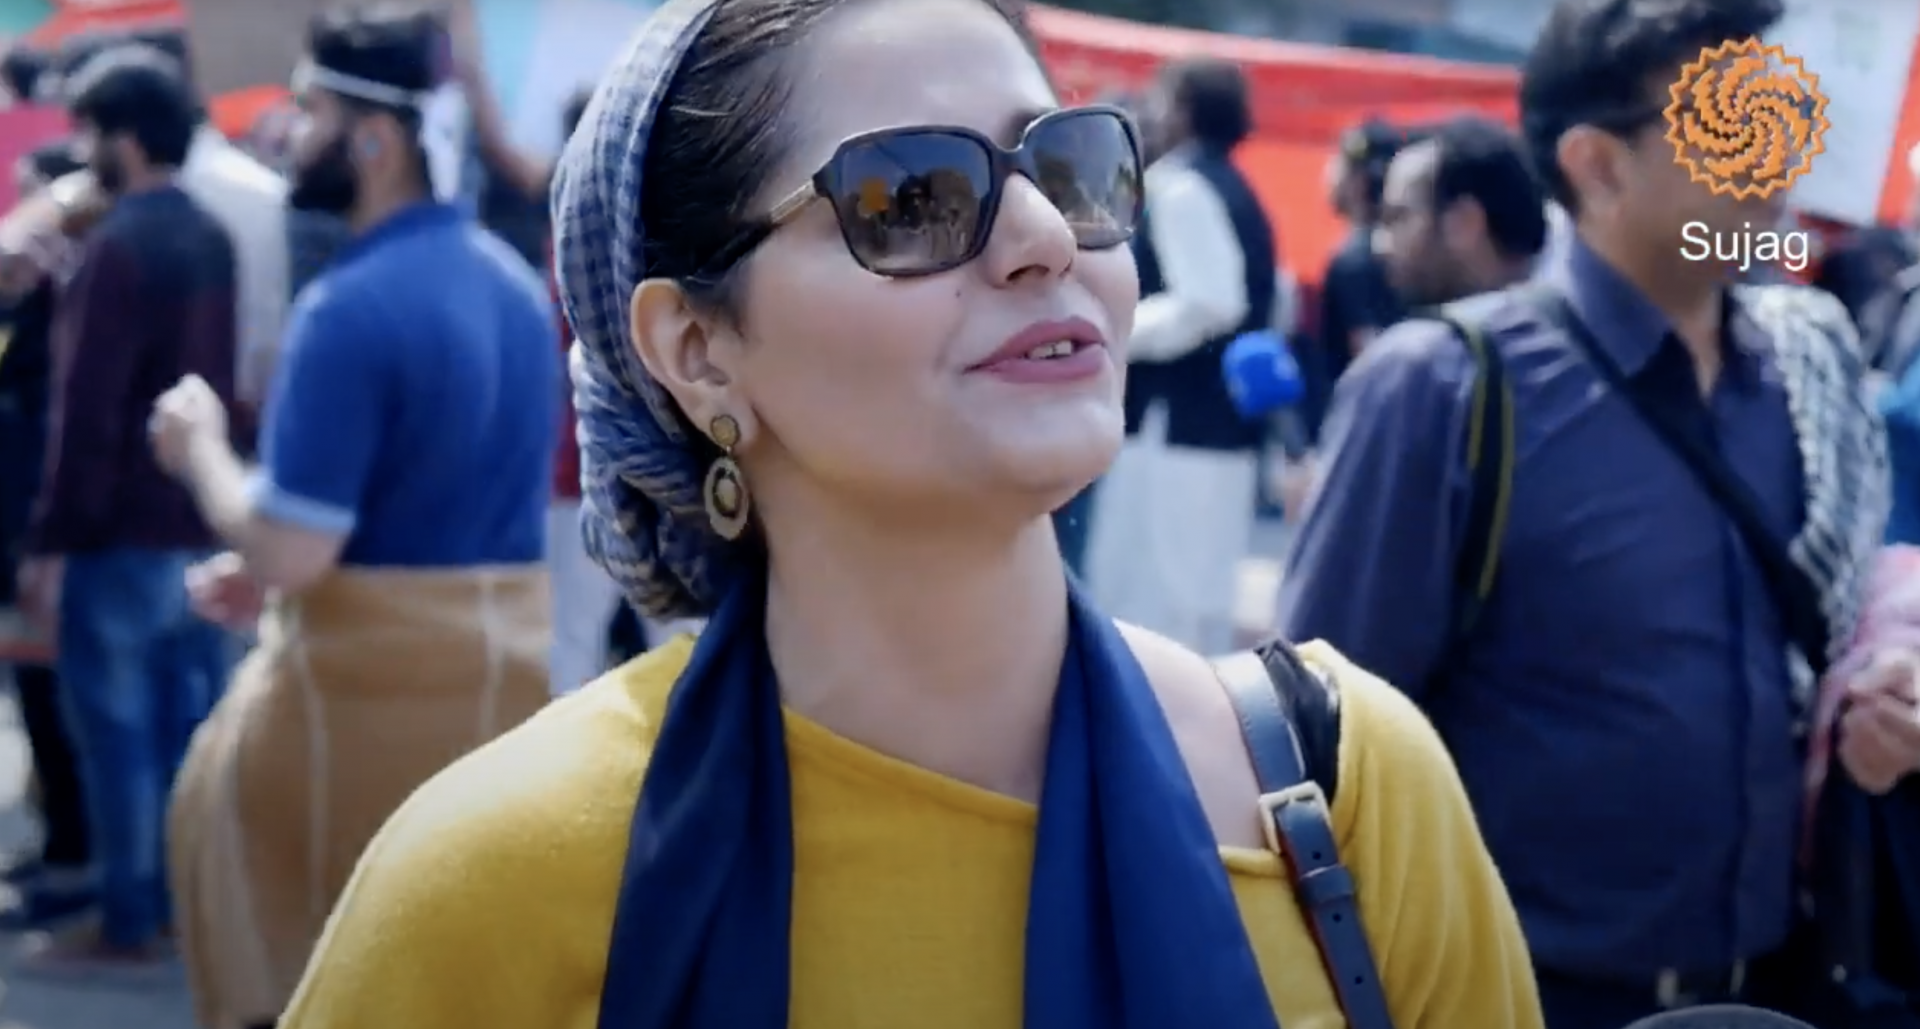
point(1175, 516)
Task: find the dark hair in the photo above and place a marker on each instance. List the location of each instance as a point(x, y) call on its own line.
point(22, 69)
point(1367, 149)
point(575, 109)
point(81, 47)
point(1591, 65)
point(393, 45)
point(50, 161)
point(141, 92)
point(78, 50)
point(1211, 95)
point(1479, 160)
point(721, 130)
point(1863, 267)
point(169, 41)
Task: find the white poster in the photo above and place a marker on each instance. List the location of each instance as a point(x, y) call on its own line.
point(1861, 50)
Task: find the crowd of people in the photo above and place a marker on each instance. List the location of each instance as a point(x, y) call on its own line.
point(334, 483)
point(353, 488)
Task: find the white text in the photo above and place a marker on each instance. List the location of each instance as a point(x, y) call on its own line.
point(1791, 250)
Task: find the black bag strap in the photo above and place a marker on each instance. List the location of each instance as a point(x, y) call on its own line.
point(1490, 449)
point(1290, 718)
point(1793, 592)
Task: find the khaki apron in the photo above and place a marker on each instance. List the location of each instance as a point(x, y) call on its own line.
point(360, 689)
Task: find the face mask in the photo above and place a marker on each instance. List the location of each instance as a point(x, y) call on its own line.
point(326, 184)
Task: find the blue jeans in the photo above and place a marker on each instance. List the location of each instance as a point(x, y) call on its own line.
point(139, 672)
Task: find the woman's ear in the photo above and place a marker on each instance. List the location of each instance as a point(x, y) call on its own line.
point(685, 352)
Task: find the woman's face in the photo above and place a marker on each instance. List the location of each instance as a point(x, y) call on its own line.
point(867, 388)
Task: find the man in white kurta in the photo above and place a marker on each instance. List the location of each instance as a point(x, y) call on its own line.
point(1174, 518)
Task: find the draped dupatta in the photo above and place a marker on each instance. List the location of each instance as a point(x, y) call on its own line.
point(1131, 925)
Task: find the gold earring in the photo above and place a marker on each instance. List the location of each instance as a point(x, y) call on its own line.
point(726, 488)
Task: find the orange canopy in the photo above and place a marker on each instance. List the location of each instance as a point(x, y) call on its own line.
point(236, 112)
point(1303, 96)
point(79, 17)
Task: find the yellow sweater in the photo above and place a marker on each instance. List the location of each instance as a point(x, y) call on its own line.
point(487, 901)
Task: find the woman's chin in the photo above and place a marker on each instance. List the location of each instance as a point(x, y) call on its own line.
point(1056, 477)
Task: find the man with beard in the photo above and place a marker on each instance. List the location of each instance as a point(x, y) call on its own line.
point(243, 195)
point(396, 527)
point(1461, 213)
point(1697, 485)
point(112, 536)
point(1175, 515)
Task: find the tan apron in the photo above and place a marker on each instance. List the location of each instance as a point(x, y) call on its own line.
point(361, 688)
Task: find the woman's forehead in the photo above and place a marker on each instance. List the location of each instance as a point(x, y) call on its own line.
point(916, 62)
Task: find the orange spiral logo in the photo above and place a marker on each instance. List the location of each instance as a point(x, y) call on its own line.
point(1746, 119)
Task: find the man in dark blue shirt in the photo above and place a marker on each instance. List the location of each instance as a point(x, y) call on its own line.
point(1622, 710)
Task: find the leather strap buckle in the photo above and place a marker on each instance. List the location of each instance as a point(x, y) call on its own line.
point(1307, 792)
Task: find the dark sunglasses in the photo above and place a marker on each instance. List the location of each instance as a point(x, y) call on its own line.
point(922, 200)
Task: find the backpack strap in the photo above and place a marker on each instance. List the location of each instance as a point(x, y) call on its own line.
point(1490, 459)
point(1290, 718)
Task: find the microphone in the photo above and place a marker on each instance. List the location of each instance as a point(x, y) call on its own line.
point(1264, 381)
point(1262, 375)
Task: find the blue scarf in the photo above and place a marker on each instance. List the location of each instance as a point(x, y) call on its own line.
point(1131, 922)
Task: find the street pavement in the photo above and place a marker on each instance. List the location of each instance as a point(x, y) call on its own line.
point(27, 1003)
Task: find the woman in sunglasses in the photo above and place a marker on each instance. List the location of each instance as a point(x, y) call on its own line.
point(850, 291)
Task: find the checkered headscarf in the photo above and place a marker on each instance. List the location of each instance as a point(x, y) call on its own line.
point(643, 516)
point(1843, 456)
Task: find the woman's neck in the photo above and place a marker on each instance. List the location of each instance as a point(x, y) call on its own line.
point(940, 651)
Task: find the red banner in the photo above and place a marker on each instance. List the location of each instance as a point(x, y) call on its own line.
point(22, 130)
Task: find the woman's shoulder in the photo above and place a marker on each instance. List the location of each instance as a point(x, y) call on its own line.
point(514, 849)
point(1384, 740)
point(1384, 737)
point(1443, 931)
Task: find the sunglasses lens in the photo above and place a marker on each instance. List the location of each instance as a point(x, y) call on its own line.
point(911, 202)
point(1087, 164)
point(914, 201)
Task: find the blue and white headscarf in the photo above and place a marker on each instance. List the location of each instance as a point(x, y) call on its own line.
point(643, 514)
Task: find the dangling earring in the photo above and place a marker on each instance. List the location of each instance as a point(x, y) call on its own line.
point(726, 488)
